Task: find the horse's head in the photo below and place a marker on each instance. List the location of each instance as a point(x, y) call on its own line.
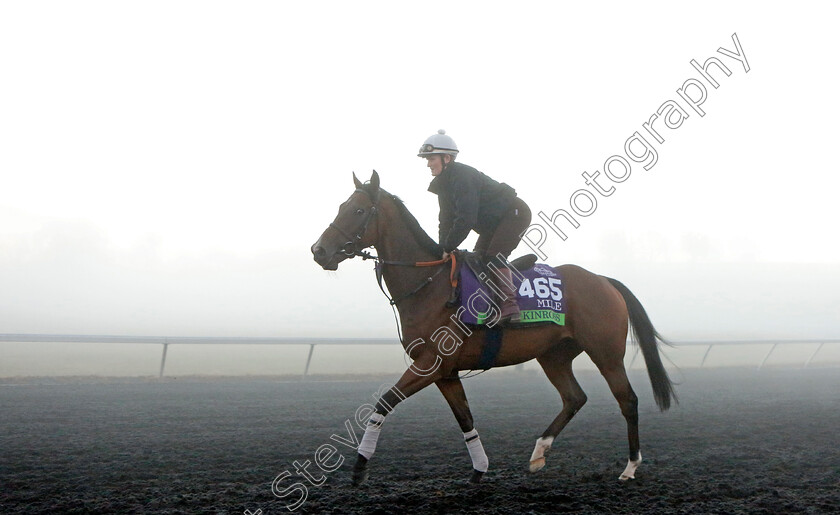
point(352, 230)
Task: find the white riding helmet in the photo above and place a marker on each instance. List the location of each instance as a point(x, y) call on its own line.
point(438, 143)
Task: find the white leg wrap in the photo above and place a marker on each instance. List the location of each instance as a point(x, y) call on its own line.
point(479, 458)
point(368, 444)
point(630, 470)
point(538, 456)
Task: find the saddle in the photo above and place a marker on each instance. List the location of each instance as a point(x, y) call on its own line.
point(479, 267)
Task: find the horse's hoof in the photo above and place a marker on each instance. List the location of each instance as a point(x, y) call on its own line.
point(476, 477)
point(360, 471)
point(537, 465)
point(630, 470)
point(538, 456)
point(360, 477)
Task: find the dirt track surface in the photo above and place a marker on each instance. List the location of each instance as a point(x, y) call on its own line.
point(740, 441)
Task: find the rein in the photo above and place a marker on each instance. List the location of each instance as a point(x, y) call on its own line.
point(351, 249)
point(380, 265)
point(453, 280)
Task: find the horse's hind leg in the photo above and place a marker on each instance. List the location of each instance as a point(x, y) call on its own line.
point(453, 392)
point(557, 364)
point(620, 387)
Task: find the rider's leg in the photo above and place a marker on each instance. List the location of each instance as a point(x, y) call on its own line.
point(501, 243)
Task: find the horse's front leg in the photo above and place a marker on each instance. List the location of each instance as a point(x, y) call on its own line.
point(453, 392)
point(424, 371)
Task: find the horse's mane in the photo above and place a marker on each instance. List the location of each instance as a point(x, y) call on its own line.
point(420, 235)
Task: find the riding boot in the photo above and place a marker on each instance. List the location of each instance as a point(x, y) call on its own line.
point(510, 308)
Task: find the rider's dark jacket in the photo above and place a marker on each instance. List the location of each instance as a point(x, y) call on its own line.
point(469, 200)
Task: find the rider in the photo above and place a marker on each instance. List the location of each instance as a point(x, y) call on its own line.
point(470, 200)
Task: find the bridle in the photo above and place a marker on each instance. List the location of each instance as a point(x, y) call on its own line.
point(351, 249)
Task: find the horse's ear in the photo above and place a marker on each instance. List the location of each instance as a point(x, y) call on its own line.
point(374, 181)
point(356, 181)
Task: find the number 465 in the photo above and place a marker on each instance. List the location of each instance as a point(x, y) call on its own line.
point(544, 287)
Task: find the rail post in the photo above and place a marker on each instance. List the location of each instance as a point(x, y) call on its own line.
point(706, 355)
point(763, 361)
point(635, 355)
point(308, 360)
point(163, 358)
point(813, 355)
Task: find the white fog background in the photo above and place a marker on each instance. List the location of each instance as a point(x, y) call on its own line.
point(166, 166)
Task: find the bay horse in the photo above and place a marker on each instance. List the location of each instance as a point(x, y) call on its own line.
point(409, 261)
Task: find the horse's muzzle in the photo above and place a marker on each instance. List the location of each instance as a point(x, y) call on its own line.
point(323, 258)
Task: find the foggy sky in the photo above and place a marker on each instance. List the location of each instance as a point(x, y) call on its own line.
point(167, 167)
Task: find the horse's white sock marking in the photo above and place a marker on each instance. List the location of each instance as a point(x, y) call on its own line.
point(479, 458)
point(368, 444)
point(630, 470)
point(538, 456)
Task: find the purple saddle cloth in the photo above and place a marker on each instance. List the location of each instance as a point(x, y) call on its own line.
point(539, 295)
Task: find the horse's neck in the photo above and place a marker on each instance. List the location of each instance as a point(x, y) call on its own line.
point(397, 243)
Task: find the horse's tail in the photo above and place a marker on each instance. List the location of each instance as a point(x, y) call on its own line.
point(646, 337)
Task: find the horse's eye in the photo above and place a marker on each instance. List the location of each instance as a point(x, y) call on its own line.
point(360, 211)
